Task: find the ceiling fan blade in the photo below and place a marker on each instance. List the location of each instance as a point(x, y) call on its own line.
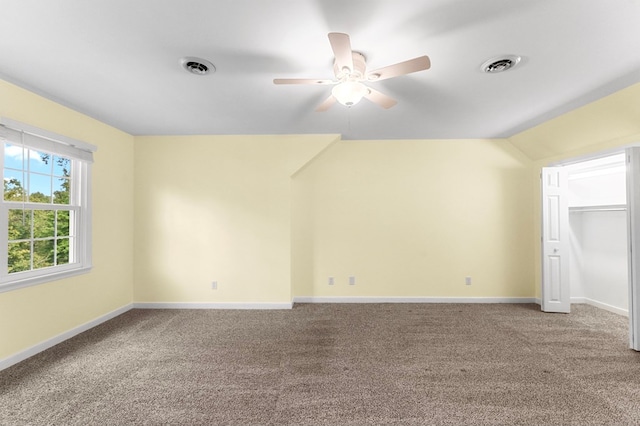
point(383, 100)
point(407, 67)
point(326, 104)
point(341, 45)
point(301, 81)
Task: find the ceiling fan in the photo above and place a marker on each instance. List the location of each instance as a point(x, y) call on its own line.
point(350, 69)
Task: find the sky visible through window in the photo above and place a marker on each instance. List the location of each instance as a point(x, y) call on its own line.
point(41, 170)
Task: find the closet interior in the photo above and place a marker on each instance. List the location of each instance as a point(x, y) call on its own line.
point(599, 232)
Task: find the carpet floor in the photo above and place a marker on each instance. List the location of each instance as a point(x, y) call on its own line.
point(335, 364)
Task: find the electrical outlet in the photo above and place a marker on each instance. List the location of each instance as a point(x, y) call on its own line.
point(214, 285)
point(352, 280)
point(330, 281)
point(467, 280)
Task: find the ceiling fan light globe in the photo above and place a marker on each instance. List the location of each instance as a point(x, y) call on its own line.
point(349, 93)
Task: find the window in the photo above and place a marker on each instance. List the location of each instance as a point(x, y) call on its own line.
point(45, 212)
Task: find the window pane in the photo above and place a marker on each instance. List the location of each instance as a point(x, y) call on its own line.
point(62, 251)
point(39, 162)
point(43, 221)
point(19, 224)
point(19, 257)
point(13, 156)
point(61, 166)
point(13, 185)
point(64, 223)
point(43, 254)
point(39, 188)
point(61, 190)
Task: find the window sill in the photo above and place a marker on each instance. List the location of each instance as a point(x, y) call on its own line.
point(41, 279)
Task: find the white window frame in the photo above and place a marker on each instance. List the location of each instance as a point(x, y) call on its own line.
point(81, 155)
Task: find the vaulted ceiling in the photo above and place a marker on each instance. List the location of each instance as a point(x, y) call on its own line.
point(118, 61)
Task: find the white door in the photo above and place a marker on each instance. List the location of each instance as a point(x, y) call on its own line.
point(633, 219)
point(555, 240)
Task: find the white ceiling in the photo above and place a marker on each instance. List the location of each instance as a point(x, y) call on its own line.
point(118, 61)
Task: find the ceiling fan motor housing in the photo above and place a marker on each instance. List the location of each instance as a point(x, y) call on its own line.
point(359, 68)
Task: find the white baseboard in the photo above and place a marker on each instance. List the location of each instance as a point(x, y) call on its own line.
point(605, 306)
point(392, 299)
point(33, 350)
point(221, 305)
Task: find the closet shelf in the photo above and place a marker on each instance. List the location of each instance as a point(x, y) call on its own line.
point(607, 208)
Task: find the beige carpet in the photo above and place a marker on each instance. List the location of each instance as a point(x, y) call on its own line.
point(409, 364)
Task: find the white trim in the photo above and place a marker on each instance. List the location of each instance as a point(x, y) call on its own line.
point(592, 155)
point(633, 243)
point(44, 278)
point(396, 299)
point(605, 306)
point(36, 131)
point(207, 305)
point(36, 349)
point(84, 190)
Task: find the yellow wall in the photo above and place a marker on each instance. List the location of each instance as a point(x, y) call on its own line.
point(413, 218)
point(31, 315)
point(609, 123)
point(263, 214)
point(216, 208)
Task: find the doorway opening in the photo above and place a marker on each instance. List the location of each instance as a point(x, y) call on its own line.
point(604, 203)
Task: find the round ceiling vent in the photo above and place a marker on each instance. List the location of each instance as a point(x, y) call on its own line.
point(197, 66)
point(496, 65)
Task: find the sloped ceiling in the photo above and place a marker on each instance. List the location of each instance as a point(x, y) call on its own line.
point(118, 61)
